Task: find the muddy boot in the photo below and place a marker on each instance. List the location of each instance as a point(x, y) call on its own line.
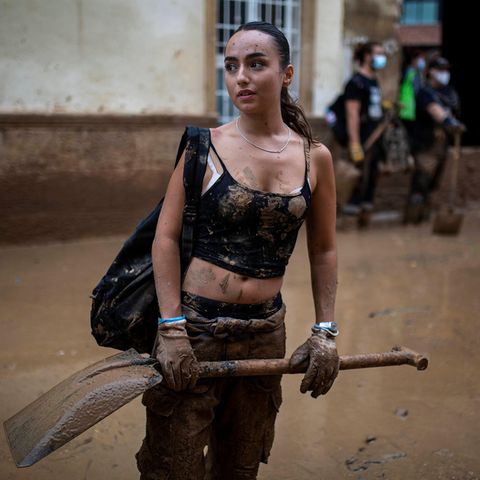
point(364, 217)
point(348, 217)
point(415, 210)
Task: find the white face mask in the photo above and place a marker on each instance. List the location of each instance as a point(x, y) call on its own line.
point(379, 61)
point(441, 76)
point(421, 64)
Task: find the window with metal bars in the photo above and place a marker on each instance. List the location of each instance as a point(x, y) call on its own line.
point(285, 14)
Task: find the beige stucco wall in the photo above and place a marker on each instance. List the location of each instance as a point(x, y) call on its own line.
point(328, 53)
point(88, 56)
point(375, 20)
point(339, 26)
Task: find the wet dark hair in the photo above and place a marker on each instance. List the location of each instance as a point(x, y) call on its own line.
point(364, 49)
point(292, 114)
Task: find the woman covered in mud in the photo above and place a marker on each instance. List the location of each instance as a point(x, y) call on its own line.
point(265, 176)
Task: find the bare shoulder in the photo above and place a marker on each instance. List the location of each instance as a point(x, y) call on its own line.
point(222, 134)
point(320, 156)
point(321, 164)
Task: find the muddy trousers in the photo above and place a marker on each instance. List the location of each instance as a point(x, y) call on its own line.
point(364, 191)
point(429, 167)
point(223, 428)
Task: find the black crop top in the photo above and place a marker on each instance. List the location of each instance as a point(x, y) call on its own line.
point(248, 231)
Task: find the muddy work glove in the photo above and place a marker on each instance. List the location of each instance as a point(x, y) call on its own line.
point(175, 355)
point(454, 126)
point(321, 353)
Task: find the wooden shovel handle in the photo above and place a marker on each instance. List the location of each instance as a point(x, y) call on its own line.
point(237, 368)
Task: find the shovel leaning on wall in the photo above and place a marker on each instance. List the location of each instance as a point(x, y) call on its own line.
point(88, 396)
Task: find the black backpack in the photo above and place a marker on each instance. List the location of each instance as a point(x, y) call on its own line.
point(124, 303)
point(336, 119)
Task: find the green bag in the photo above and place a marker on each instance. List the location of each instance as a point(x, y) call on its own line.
point(407, 97)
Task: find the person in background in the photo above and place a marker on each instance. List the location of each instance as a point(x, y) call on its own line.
point(363, 111)
point(410, 85)
point(437, 112)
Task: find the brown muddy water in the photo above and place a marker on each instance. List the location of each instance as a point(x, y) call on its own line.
point(396, 286)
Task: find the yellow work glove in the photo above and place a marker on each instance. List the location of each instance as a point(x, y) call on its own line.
point(356, 152)
point(387, 104)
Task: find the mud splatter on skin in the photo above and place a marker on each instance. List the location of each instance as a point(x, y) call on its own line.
point(202, 276)
point(250, 177)
point(224, 283)
point(279, 177)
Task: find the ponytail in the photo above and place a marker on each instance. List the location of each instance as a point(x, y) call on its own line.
point(294, 116)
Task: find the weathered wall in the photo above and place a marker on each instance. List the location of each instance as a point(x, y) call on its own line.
point(328, 52)
point(88, 176)
point(54, 187)
point(374, 20)
point(94, 95)
point(89, 56)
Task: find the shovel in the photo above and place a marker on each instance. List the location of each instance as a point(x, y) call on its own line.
point(88, 396)
point(448, 220)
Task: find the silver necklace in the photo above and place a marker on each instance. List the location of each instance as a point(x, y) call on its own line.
point(261, 148)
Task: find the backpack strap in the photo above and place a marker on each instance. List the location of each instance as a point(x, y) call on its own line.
point(196, 143)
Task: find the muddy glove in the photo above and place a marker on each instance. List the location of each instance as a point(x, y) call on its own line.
point(453, 126)
point(175, 356)
point(356, 153)
point(323, 362)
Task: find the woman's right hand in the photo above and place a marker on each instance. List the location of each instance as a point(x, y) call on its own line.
point(175, 355)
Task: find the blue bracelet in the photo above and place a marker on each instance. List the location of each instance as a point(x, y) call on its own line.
point(161, 321)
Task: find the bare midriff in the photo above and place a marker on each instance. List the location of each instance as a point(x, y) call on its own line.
point(214, 282)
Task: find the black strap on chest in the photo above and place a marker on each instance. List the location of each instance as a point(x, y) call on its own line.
point(195, 142)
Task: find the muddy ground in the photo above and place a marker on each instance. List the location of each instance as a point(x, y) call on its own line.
point(397, 286)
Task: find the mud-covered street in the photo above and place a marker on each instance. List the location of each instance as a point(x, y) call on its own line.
point(396, 286)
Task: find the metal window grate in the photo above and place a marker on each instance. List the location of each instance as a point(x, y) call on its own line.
point(285, 14)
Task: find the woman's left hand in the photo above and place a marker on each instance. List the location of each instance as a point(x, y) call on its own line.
point(323, 363)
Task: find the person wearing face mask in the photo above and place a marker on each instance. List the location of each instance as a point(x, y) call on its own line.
point(363, 112)
point(437, 112)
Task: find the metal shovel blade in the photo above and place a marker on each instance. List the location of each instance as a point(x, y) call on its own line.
point(448, 221)
point(77, 403)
